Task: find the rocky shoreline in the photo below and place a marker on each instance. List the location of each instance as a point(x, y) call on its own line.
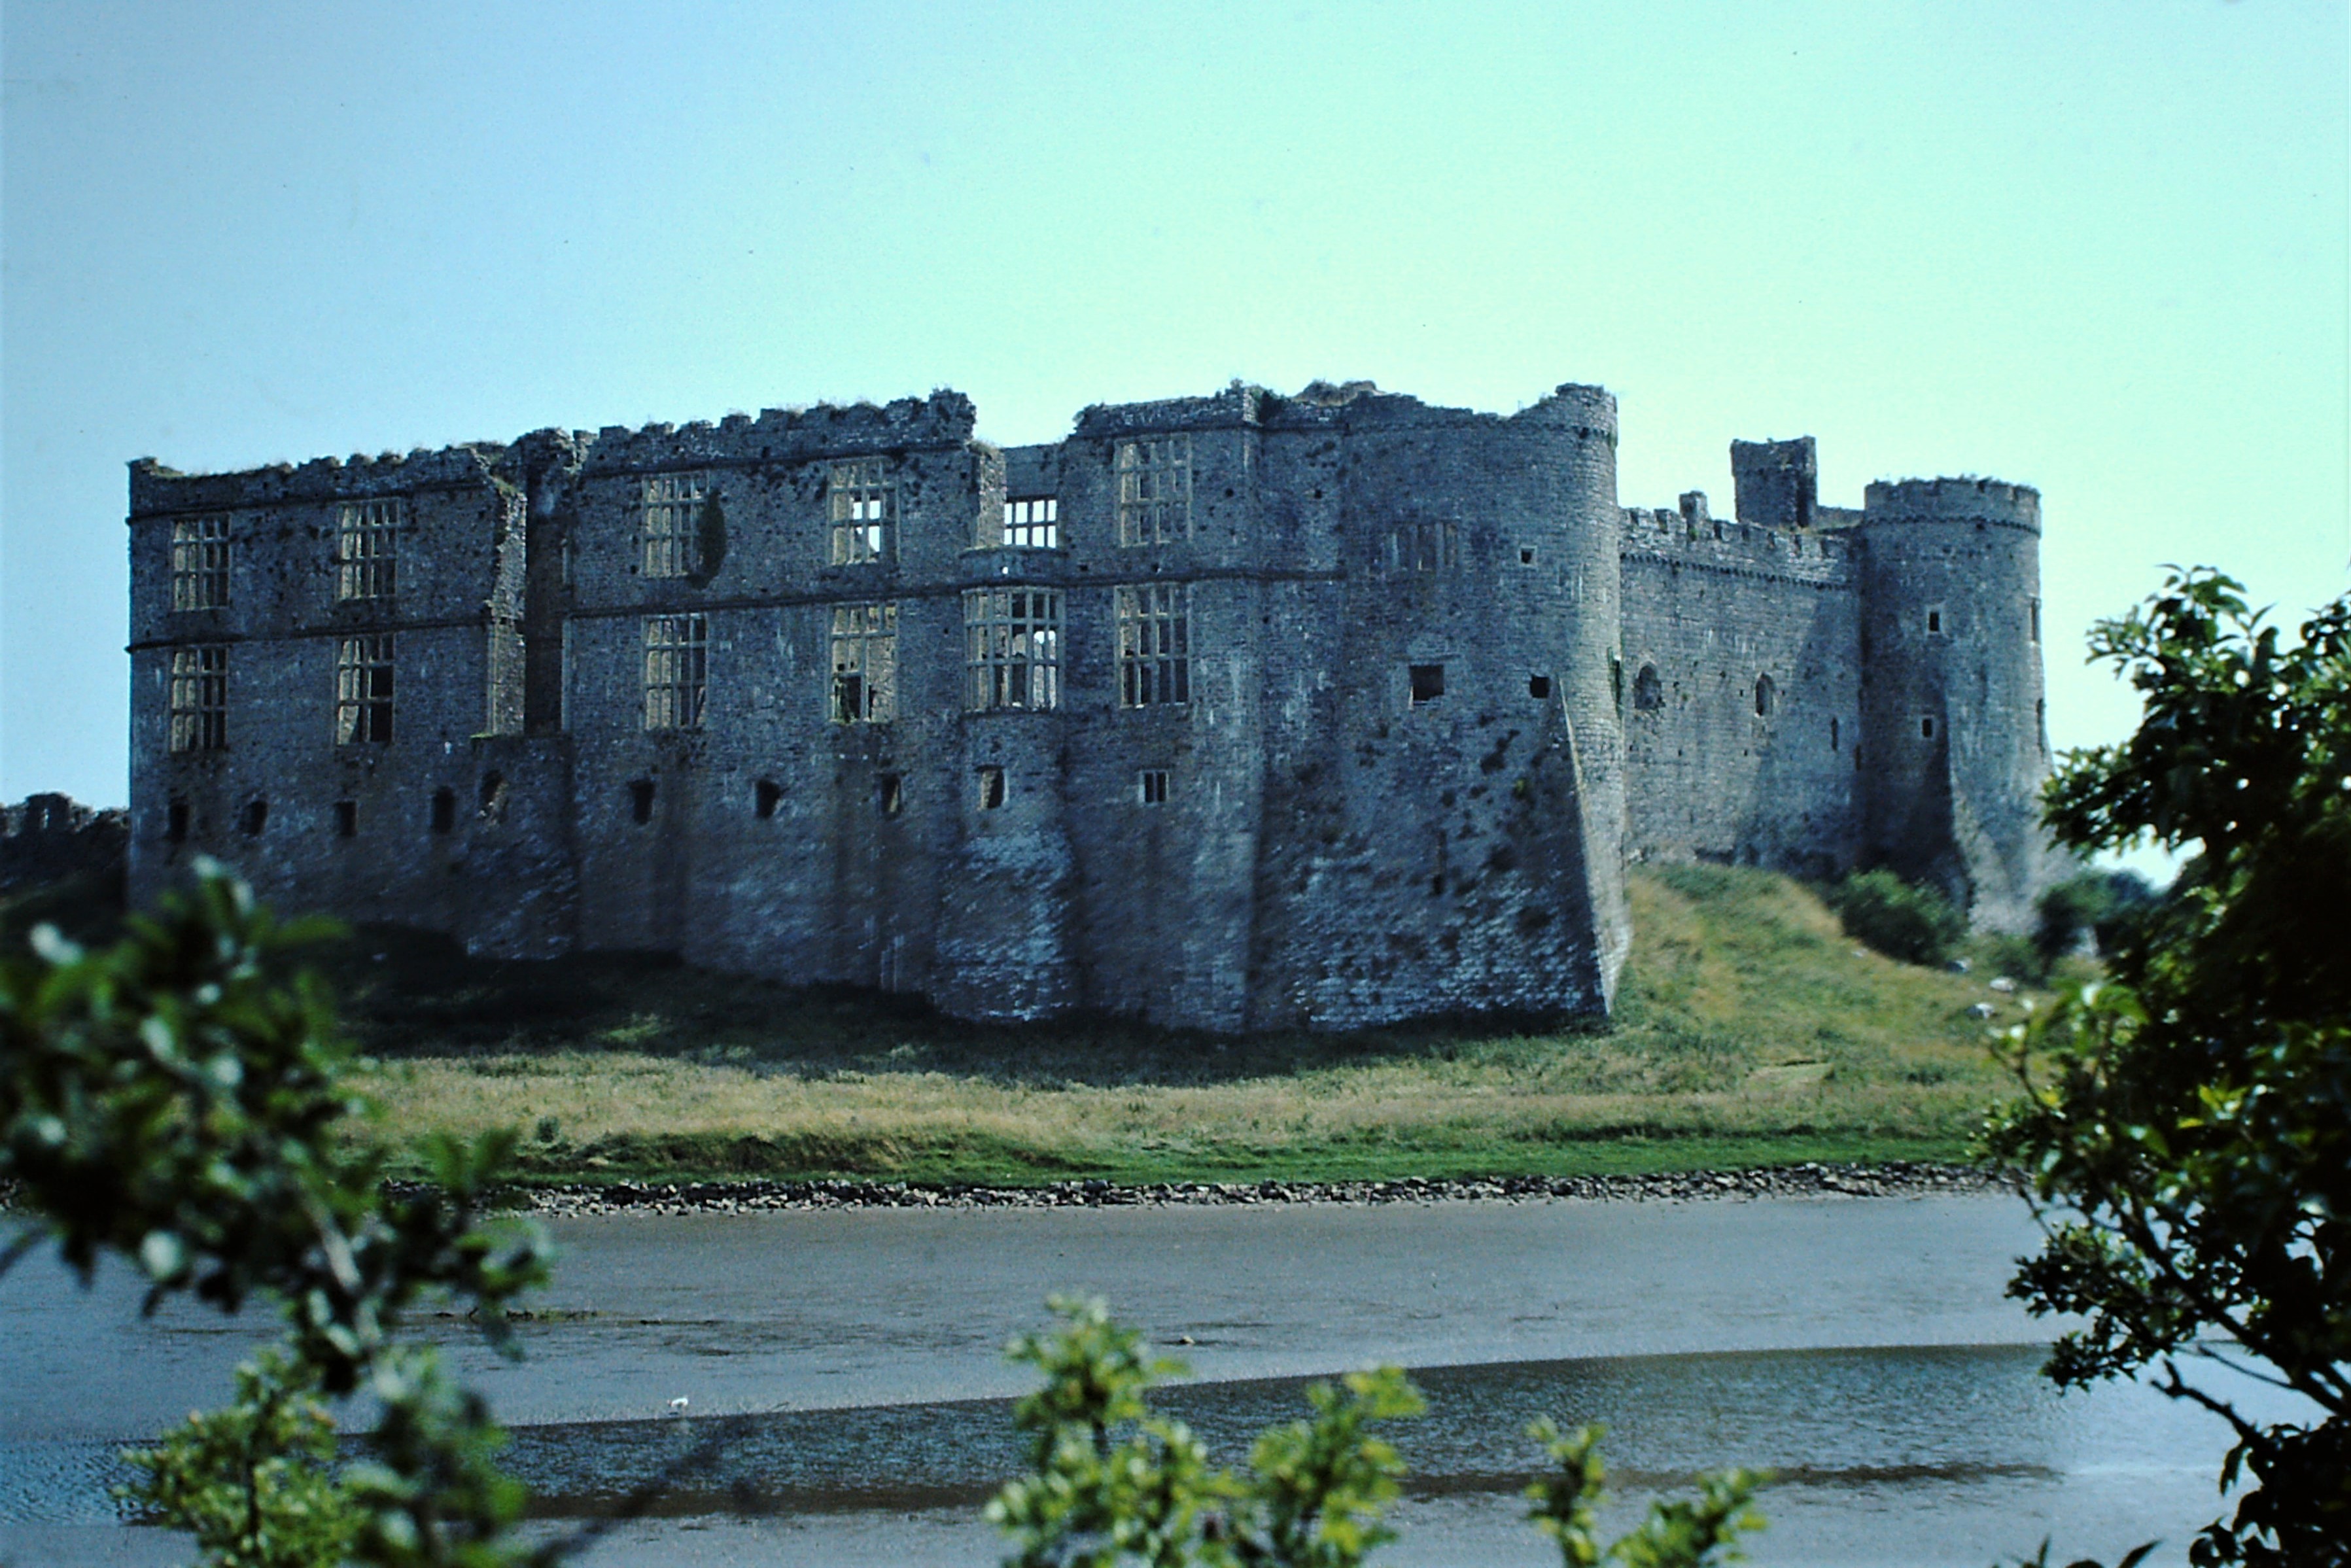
point(1893, 1179)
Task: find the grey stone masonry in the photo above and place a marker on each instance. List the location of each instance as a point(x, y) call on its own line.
point(1234, 711)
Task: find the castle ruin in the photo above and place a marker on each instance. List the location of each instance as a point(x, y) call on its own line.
point(1236, 712)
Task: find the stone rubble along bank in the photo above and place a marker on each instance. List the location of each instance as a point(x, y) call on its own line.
point(1894, 1179)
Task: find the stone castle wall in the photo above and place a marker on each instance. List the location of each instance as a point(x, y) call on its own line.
point(1438, 687)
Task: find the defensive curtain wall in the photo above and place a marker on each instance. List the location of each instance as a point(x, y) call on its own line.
point(1241, 711)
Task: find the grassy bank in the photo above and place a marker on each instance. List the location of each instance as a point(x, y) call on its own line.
point(1749, 1031)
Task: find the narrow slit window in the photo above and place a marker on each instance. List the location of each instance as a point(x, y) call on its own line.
point(1934, 621)
point(1835, 735)
point(1427, 684)
point(363, 691)
point(1151, 786)
point(766, 796)
point(445, 811)
point(199, 563)
point(1926, 730)
point(1154, 489)
point(864, 664)
point(641, 801)
point(2033, 616)
point(1767, 696)
point(677, 671)
point(1033, 522)
point(1155, 644)
point(347, 818)
point(176, 822)
point(1012, 648)
point(199, 698)
point(890, 794)
point(991, 789)
point(367, 549)
point(863, 500)
point(674, 504)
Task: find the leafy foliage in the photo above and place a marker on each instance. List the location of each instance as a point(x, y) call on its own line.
point(254, 1482)
point(1112, 1484)
point(2187, 1129)
point(1914, 923)
point(169, 1101)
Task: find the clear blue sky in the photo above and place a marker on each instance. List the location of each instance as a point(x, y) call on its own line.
point(2098, 247)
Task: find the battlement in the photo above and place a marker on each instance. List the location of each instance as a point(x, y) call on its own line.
point(1777, 482)
point(1689, 535)
point(1959, 500)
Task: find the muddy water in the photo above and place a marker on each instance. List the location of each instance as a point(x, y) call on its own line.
point(846, 1393)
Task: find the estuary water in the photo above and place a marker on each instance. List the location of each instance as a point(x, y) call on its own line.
point(848, 1401)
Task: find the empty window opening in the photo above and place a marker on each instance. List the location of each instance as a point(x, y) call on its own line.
point(677, 669)
point(493, 801)
point(1151, 784)
point(367, 549)
point(1032, 522)
point(1424, 547)
point(1926, 730)
point(199, 563)
point(1427, 683)
point(864, 664)
point(1539, 688)
point(1766, 695)
point(176, 822)
point(2033, 618)
point(1835, 735)
point(363, 691)
point(1012, 648)
point(991, 789)
point(674, 508)
point(445, 811)
point(1154, 489)
point(1935, 621)
point(347, 818)
point(1155, 644)
point(199, 698)
point(1526, 555)
point(254, 818)
point(641, 800)
point(766, 796)
point(1648, 692)
point(891, 794)
point(2041, 721)
point(862, 497)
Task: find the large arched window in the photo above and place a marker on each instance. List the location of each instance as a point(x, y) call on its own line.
point(1648, 692)
point(1766, 693)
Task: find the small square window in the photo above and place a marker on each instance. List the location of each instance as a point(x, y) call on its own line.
point(1526, 555)
point(1934, 621)
point(1427, 684)
point(1152, 785)
point(991, 789)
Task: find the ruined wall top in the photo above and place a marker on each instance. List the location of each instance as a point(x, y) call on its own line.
point(944, 419)
point(1320, 405)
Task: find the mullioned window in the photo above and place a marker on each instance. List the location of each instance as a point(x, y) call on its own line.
point(864, 664)
point(677, 669)
point(199, 563)
point(199, 698)
point(1154, 489)
point(367, 549)
point(673, 523)
point(1155, 644)
point(363, 691)
point(1012, 648)
point(862, 497)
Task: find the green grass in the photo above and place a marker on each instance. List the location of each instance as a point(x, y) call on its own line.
point(1749, 1031)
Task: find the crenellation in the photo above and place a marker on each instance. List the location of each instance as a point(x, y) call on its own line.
point(1239, 711)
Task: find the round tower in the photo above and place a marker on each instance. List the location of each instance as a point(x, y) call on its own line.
point(1954, 741)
